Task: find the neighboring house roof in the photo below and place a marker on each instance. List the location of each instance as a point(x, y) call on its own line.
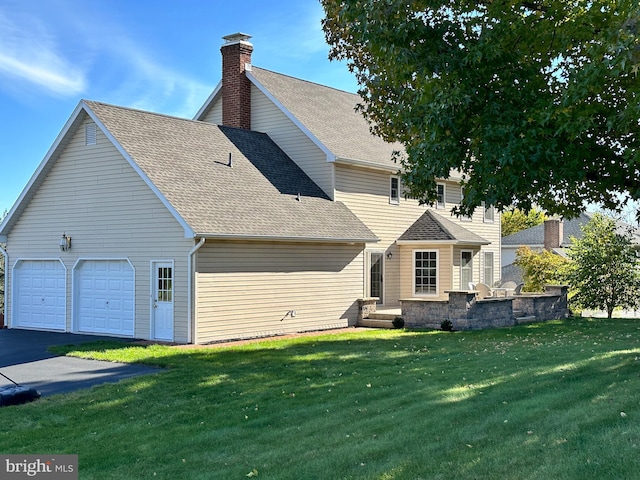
point(434, 228)
point(534, 236)
point(186, 163)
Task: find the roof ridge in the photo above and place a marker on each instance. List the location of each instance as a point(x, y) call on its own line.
point(146, 112)
point(307, 81)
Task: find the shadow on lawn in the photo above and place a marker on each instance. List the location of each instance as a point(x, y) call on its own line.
point(380, 402)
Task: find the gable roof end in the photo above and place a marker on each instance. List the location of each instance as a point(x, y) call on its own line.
point(434, 228)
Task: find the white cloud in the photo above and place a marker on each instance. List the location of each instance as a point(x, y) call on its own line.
point(28, 53)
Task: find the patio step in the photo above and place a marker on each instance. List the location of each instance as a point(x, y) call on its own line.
point(375, 323)
point(379, 320)
point(525, 319)
point(383, 316)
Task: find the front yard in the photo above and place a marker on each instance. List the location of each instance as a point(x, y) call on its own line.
point(544, 401)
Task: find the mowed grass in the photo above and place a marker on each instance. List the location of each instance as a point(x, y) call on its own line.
point(559, 400)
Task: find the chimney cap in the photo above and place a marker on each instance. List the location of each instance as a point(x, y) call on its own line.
point(236, 38)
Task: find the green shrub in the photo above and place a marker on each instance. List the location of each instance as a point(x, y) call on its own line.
point(398, 322)
point(446, 325)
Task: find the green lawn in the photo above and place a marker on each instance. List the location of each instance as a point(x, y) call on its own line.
point(550, 401)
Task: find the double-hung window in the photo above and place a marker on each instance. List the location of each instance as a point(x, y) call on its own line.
point(488, 268)
point(440, 202)
point(425, 272)
point(394, 190)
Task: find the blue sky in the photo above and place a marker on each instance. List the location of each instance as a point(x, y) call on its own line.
point(162, 56)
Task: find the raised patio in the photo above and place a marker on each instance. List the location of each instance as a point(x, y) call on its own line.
point(466, 311)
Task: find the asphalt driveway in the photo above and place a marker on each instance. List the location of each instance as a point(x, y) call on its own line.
point(24, 358)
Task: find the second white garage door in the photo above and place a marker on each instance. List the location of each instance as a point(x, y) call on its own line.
point(104, 294)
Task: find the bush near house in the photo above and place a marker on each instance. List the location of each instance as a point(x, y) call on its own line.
point(605, 270)
point(540, 268)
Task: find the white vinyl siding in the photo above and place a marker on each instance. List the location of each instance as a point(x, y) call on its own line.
point(95, 196)
point(245, 289)
point(366, 193)
point(214, 114)
point(268, 118)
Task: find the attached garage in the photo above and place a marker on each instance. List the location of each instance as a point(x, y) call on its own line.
point(39, 294)
point(104, 297)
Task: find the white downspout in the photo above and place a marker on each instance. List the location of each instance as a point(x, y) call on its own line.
point(191, 297)
point(6, 265)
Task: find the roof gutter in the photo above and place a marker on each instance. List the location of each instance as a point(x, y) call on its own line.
point(442, 242)
point(364, 163)
point(274, 238)
point(191, 324)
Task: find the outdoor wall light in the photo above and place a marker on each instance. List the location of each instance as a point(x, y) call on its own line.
point(389, 255)
point(65, 243)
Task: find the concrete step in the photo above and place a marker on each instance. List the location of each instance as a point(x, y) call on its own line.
point(526, 319)
point(375, 323)
point(382, 316)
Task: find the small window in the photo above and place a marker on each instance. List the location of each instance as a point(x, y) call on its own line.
point(90, 134)
point(488, 213)
point(440, 203)
point(394, 190)
point(488, 268)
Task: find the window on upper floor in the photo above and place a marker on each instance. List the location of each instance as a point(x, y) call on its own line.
point(440, 202)
point(489, 213)
point(394, 190)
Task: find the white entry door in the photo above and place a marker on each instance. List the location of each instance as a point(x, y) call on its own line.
point(162, 321)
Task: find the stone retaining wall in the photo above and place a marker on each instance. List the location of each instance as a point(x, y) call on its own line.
point(467, 312)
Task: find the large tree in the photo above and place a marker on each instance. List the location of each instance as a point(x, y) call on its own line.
point(514, 220)
point(605, 271)
point(533, 102)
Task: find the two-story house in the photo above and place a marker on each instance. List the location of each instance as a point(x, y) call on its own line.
point(272, 211)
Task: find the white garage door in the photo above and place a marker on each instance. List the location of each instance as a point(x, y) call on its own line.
point(39, 295)
point(104, 296)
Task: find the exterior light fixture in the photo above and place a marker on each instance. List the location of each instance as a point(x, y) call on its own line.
point(65, 243)
point(389, 255)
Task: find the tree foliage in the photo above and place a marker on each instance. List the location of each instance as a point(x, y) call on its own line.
point(515, 220)
point(540, 268)
point(533, 102)
point(605, 271)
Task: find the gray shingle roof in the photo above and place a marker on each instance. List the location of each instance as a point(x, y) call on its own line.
point(329, 114)
point(571, 228)
point(187, 161)
point(433, 227)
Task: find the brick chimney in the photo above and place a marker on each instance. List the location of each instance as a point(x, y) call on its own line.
point(553, 233)
point(236, 88)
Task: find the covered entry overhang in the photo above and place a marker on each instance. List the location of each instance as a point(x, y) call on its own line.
point(437, 255)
